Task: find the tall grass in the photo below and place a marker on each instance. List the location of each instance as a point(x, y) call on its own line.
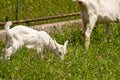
point(100, 63)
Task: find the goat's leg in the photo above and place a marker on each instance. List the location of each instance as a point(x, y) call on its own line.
point(12, 49)
point(84, 27)
point(84, 16)
point(91, 25)
point(40, 51)
point(9, 44)
point(8, 53)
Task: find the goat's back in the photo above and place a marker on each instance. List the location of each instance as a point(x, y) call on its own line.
point(104, 9)
point(24, 34)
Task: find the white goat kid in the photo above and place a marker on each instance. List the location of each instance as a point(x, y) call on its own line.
point(31, 39)
point(98, 11)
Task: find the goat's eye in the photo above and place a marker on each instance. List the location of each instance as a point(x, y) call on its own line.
point(60, 53)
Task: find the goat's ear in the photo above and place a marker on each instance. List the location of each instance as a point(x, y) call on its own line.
point(65, 46)
point(66, 43)
point(55, 43)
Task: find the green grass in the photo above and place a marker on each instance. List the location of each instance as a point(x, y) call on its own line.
point(29, 9)
point(100, 63)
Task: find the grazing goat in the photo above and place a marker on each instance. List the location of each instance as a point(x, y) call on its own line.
point(31, 39)
point(98, 11)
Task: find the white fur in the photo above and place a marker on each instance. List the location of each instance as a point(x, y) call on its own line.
point(98, 11)
point(32, 39)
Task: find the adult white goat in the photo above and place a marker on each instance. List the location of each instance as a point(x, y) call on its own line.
point(98, 11)
point(31, 39)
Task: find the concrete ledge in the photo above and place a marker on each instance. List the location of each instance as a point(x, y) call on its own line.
point(49, 27)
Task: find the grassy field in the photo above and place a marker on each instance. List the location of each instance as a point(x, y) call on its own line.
point(29, 9)
point(100, 63)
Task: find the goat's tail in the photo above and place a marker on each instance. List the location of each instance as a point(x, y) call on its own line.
point(7, 26)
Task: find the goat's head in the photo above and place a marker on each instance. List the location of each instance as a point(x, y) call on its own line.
point(61, 50)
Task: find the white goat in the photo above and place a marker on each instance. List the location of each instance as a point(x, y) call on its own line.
point(31, 39)
point(98, 11)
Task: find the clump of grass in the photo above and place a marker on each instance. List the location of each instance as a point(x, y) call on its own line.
point(73, 34)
